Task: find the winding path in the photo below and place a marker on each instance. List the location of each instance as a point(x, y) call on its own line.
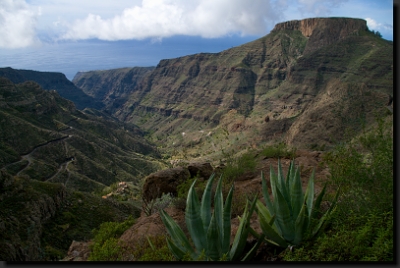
point(28, 157)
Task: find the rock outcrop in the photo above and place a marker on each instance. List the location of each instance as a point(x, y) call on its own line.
point(78, 251)
point(164, 181)
point(323, 31)
point(202, 170)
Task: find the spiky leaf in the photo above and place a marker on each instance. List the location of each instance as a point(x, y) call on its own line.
point(226, 230)
point(176, 233)
point(206, 203)
point(283, 217)
point(296, 194)
point(193, 219)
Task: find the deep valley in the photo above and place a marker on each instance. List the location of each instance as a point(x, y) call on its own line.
point(112, 143)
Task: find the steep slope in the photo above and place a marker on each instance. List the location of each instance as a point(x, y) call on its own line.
point(54, 161)
point(53, 81)
point(304, 83)
point(111, 87)
point(43, 137)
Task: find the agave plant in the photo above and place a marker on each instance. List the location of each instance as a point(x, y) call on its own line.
point(292, 216)
point(210, 230)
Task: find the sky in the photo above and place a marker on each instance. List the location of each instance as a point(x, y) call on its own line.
point(78, 35)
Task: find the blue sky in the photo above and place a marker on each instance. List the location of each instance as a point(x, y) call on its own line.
point(154, 28)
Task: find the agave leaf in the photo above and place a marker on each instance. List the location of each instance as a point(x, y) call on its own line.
point(310, 194)
point(271, 234)
point(176, 233)
point(326, 215)
point(193, 219)
point(282, 186)
point(296, 193)
point(206, 204)
point(283, 217)
point(213, 249)
point(317, 204)
point(266, 194)
point(176, 251)
point(226, 230)
point(290, 175)
point(239, 241)
point(273, 179)
point(253, 250)
point(262, 210)
point(300, 226)
point(218, 207)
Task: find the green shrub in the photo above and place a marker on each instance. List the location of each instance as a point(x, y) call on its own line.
point(105, 245)
point(109, 250)
point(157, 204)
point(156, 249)
point(183, 188)
point(361, 227)
point(359, 238)
point(237, 166)
point(280, 150)
point(364, 169)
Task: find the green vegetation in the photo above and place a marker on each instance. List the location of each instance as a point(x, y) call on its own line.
point(210, 232)
point(280, 150)
point(154, 249)
point(293, 216)
point(158, 204)
point(83, 213)
point(105, 245)
point(361, 227)
point(237, 166)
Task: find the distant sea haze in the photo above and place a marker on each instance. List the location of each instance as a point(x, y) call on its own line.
point(72, 57)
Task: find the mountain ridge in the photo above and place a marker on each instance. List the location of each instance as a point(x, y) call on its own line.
point(52, 81)
point(268, 84)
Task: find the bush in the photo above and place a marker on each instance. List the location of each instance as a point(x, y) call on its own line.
point(280, 150)
point(155, 249)
point(361, 228)
point(184, 187)
point(359, 238)
point(237, 166)
point(105, 245)
point(364, 169)
point(157, 204)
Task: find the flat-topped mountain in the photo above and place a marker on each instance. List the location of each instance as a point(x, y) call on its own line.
point(304, 83)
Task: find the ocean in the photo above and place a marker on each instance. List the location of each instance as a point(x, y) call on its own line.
point(71, 57)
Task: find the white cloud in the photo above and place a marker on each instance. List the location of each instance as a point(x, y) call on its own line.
point(17, 24)
point(374, 25)
point(165, 18)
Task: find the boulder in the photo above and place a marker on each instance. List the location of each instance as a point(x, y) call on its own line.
point(164, 181)
point(78, 251)
point(147, 226)
point(203, 170)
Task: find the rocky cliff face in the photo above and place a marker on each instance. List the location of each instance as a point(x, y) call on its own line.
point(323, 31)
point(111, 87)
point(287, 86)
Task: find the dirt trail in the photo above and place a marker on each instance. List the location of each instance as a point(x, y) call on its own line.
point(28, 156)
point(62, 167)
